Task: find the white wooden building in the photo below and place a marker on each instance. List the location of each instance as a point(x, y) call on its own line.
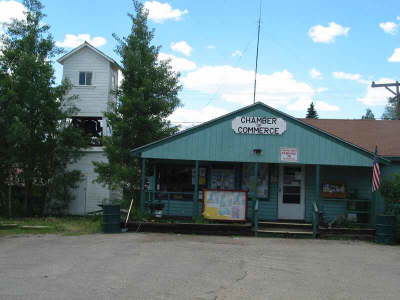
point(94, 76)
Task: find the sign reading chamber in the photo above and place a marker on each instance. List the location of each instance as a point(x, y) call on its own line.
point(289, 155)
point(259, 125)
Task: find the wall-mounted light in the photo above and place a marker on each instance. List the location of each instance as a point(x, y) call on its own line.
point(257, 151)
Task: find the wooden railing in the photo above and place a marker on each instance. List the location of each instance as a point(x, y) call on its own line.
point(256, 212)
point(154, 197)
point(316, 218)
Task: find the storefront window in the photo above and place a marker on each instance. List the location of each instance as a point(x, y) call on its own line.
point(223, 179)
point(178, 181)
point(262, 179)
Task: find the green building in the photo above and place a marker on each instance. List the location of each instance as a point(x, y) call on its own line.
point(292, 169)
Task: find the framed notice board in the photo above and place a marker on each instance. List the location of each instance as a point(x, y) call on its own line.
point(230, 205)
point(334, 190)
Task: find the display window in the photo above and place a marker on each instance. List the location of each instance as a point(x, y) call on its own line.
point(222, 179)
point(178, 181)
point(262, 179)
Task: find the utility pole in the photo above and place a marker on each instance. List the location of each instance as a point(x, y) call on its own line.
point(395, 93)
point(258, 42)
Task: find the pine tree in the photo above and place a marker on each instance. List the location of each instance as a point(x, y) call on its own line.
point(311, 112)
point(40, 138)
point(147, 96)
point(368, 115)
point(392, 109)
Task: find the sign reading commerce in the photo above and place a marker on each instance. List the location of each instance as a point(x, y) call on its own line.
point(259, 125)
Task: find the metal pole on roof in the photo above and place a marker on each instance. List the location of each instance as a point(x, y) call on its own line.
point(258, 43)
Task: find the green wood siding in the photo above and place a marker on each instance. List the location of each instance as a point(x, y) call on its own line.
point(179, 208)
point(218, 142)
point(355, 178)
point(310, 192)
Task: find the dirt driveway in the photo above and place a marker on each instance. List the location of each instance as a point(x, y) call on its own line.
point(169, 266)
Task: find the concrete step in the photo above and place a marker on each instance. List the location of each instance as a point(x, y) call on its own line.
point(284, 232)
point(284, 225)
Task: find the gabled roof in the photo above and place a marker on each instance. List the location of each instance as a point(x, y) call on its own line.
point(245, 109)
point(365, 133)
point(86, 44)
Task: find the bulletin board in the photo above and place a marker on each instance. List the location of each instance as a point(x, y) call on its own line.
point(229, 205)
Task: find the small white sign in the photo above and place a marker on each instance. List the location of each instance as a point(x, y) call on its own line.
point(259, 125)
point(289, 155)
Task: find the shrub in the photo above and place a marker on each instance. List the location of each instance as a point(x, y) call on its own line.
point(390, 190)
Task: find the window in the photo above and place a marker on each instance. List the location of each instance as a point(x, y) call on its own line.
point(91, 127)
point(113, 86)
point(223, 179)
point(262, 180)
point(85, 78)
point(178, 181)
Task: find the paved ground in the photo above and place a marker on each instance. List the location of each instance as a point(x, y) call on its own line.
point(168, 266)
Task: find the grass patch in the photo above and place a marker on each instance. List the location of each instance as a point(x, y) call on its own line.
point(72, 225)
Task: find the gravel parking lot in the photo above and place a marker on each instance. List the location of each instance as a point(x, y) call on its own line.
point(169, 266)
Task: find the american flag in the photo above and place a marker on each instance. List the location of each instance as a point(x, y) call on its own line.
point(376, 172)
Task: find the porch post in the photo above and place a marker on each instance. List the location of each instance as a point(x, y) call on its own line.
point(372, 208)
point(316, 205)
point(154, 183)
point(142, 182)
point(254, 198)
point(317, 184)
point(196, 190)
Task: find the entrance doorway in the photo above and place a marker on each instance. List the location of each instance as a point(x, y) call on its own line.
point(291, 200)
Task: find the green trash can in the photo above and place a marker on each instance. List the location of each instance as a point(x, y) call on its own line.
point(111, 222)
point(386, 229)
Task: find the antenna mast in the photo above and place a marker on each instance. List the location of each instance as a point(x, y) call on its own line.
point(258, 42)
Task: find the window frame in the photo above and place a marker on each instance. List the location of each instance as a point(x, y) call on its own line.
point(79, 78)
point(113, 82)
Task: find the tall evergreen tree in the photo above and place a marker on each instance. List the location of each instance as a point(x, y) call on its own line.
point(392, 109)
point(147, 96)
point(368, 115)
point(40, 138)
point(311, 112)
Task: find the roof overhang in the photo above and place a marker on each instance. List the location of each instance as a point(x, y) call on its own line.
point(86, 44)
point(137, 151)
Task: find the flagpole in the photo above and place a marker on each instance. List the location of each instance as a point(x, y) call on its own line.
point(374, 191)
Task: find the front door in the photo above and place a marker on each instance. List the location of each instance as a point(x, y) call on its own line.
point(291, 204)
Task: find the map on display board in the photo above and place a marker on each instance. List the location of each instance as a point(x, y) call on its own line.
point(225, 205)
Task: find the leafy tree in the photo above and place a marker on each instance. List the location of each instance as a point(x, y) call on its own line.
point(39, 138)
point(311, 112)
point(392, 109)
point(368, 115)
point(390, 190)
point(147, 96)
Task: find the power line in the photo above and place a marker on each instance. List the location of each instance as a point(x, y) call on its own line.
point(244, 51)
point(235, 66)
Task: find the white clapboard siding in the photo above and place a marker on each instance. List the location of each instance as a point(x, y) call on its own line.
point(88, 195)
point(92, 100)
